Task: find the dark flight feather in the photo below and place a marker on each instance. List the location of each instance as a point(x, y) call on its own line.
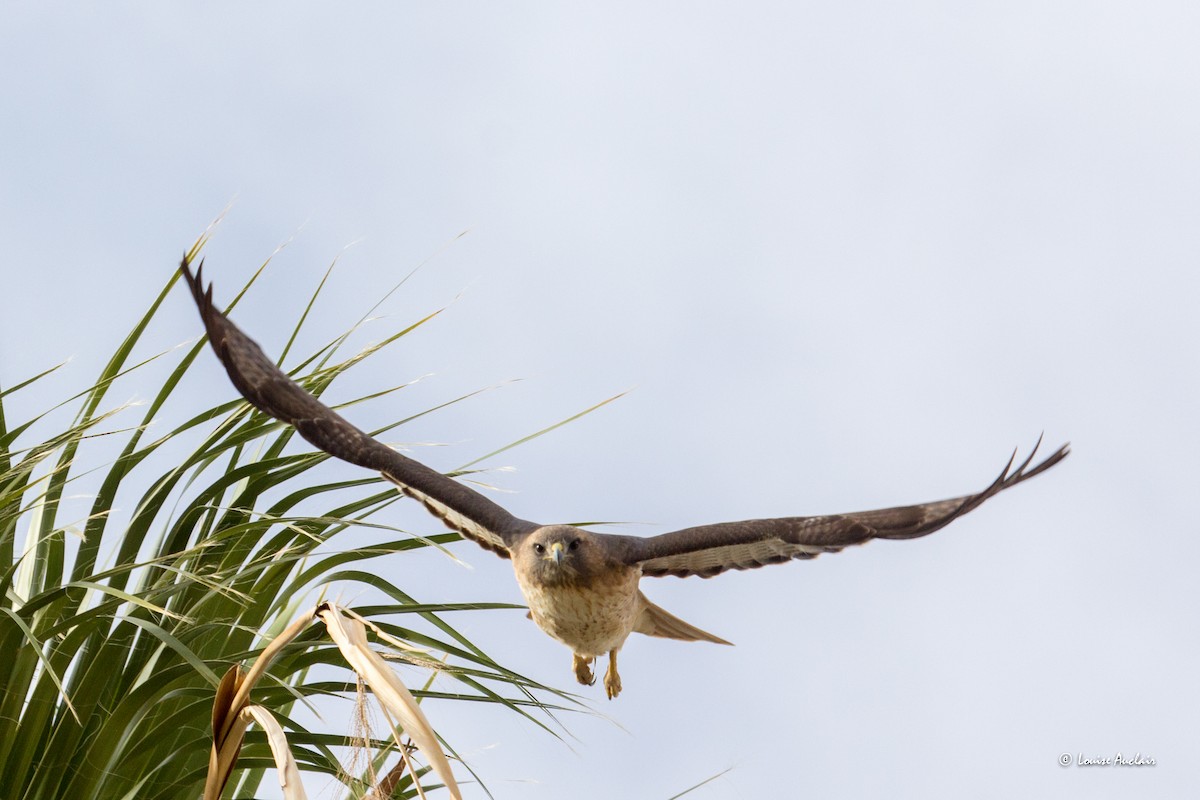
point(271, 391)
point(709, 550)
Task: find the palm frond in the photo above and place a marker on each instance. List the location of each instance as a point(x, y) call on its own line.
point(117, 625)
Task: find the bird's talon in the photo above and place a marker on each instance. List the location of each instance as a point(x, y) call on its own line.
point(583, 670)
point(612, 680)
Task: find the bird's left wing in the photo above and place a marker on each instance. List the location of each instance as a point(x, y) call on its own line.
point(709, 550)
point(270, 390)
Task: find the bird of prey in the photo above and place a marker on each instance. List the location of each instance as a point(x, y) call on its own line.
point(581, 587)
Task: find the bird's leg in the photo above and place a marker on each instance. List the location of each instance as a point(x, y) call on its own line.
point(612, 681)
point(583, 669)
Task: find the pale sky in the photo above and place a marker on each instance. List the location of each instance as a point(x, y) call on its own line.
point(845, 256)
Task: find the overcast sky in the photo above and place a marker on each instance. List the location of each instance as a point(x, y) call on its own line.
point(845, 255)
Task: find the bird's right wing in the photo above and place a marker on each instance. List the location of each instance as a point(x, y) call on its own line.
point(708, 550)
point(271, 391)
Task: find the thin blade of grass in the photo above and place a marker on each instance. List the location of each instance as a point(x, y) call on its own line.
point(542, 432)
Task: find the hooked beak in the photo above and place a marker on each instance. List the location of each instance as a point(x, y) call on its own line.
point(556, 552)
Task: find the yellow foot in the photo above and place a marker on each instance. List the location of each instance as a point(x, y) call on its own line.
point(612, 681)
point(583, 670)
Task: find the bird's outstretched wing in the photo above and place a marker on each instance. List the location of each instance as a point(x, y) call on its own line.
point(709, 550)
point(274, 393)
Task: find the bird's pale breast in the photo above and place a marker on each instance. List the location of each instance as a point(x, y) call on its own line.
point(592, 618)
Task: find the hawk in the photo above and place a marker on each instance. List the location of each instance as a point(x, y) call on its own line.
point(582, 587)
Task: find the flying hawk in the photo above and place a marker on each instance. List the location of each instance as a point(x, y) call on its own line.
point(581, 587)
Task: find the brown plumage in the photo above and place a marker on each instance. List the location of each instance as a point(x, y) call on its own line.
point(581, 586)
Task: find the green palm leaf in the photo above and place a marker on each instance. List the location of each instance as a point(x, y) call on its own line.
point(117, 627)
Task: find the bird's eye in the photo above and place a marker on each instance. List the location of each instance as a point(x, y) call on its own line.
point(574, 545)
point(539, 548)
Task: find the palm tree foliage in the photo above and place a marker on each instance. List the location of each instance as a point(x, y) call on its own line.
point(115, 631)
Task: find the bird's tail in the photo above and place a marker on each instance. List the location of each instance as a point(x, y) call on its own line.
point(654, 621)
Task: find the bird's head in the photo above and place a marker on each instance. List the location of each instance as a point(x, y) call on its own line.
point(557, 554)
